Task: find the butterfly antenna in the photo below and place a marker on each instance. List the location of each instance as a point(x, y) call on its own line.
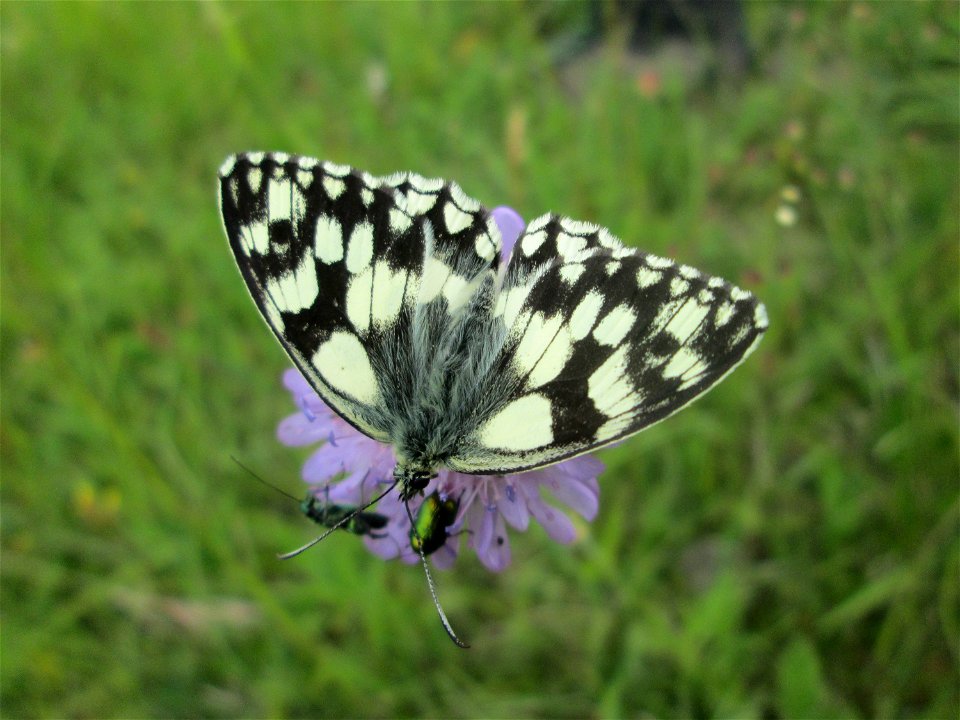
point(257, 477)
point(433, 588)
point(344, 521)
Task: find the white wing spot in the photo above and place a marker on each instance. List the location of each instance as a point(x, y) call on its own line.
point(340, 171)
point(693, 375)
point(484, 246)
point(463, 201)
point(307, 163)
point(279, 157)
point(608, 387)
point(615, 325)
point(538, 223)
point(571, 273)
point(647, 277)
point(334, 186)
point(685, 364)
point(296, 290)
point(611, 267)
point(690, 273)
point(513, 301)
point(396, 178)
point(255, 158)
point(664, 315)
point(760, 318)
point(388, 293)
point(652, 361)
point(493, 230)
point(435, 274)
point(254, 179)
point(399, 221)
point(360, 247)
point(358, 300)
point(537, 336)
point(455, 218)
point(715, 282)
point(418, 203)
point(578, 227)
point(706, 297)
point(687, 320)
point(532, 241)
point(425, 185)
point(257, 237)
point(738, 294)
point(227, 166)
point(524, 424)
point(305, 178)
point(658, 263)
point(343, 364)
point(554, 357)
point(585, 315)
point(724, 313)
point(570, 247)
point(328, 239)
point(366, 195)
point(678, 286)
point(279, 204)
point(614, 426)
point(740, 335)
point(234, 188)
point(607, 239)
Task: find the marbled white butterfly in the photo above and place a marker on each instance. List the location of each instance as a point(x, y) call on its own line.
point(388, 295)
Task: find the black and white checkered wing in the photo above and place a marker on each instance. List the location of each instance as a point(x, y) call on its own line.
point(347, 269)
point(601, 342)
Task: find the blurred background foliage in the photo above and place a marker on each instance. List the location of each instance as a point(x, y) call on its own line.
point(787, 547)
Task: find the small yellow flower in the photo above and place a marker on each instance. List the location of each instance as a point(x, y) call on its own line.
point(96, 507)
point(790, 194)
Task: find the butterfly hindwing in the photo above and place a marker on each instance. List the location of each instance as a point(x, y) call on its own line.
point(601, 341)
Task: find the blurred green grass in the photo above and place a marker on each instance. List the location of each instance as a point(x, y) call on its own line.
point(787, 547)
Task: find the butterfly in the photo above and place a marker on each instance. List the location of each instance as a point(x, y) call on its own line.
point(391, 297)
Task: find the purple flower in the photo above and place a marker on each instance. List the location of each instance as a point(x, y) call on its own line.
point(350, 468)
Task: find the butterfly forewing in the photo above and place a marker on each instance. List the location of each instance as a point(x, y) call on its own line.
point(357, 276)
point(601, 342)
point(331, 258)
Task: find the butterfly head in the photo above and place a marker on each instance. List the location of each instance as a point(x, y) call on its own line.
point(412, 479)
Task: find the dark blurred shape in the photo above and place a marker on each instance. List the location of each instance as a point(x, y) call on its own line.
point(647, 23)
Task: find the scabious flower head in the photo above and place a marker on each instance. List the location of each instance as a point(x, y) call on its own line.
point(351, 468)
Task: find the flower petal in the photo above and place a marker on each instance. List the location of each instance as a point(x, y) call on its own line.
point(297, 430)
point(445, 557)
point(511, 225)
point(578, 496)
point(514, 510)
point(495, 555)
point(296, 383)
point(557, 524)
point(585, 467)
